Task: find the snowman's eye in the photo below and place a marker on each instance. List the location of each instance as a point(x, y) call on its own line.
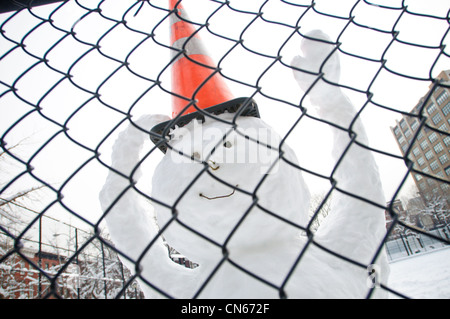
point(227, 144)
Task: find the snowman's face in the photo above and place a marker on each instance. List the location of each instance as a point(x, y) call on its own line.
point(251, 144)
point(213, 176)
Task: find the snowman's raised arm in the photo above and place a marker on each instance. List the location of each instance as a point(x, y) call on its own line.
point(354, 227)
point(130, 218)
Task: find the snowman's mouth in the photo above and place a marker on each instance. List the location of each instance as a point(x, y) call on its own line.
point(218, 197)
point(213, 165)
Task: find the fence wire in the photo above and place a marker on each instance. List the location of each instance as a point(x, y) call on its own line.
point(74, 74)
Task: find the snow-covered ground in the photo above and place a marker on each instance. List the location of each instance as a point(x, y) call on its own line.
point(422, 276)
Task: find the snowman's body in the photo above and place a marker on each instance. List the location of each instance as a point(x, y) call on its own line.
point(229, 196)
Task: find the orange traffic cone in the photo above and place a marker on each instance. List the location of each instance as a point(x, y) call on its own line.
point(196, 83)
point(193, 69)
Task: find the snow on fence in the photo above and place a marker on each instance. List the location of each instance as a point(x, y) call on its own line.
point(74, 75)
point(412, 244)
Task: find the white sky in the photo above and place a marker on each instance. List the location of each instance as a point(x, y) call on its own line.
point(89, 125)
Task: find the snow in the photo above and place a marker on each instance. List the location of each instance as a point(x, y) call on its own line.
point(422, 276)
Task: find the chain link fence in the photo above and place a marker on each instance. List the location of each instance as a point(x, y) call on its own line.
point(76, 74)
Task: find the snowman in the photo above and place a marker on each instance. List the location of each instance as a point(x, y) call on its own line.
point(229, 195)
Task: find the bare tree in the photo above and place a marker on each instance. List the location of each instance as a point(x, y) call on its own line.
point(16, 278)
point(438, 208)
point(94, 273)
point(16, 281)
point(101, 273)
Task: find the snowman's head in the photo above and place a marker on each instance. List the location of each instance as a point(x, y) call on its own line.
point(219, 174)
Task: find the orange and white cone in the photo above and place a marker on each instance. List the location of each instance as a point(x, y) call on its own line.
point(194, 73)
point(196, 82)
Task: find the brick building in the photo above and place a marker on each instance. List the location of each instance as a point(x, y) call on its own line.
point(20, 279)
point(430, 151)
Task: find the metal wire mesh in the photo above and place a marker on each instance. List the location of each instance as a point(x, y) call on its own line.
point(75, 73)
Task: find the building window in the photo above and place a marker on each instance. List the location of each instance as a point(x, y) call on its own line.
point(415, 124)
point(420, 135)
point(443, 127)
point(421, 161)
point(424, 145)
point(443, 159)
point(444, 186)
point(446, 109)
point(401, 139)
point(447, 140)
point(436, 119)
point(407, 132)
point(431, 108)
point(404, 148)
point(418, 177)
point(403, 124)
point(442, 97)
point(447, 171)
point(438, 148)
point(433, 137)
point(429, 154)
point(396, 130)
point(416, 151)
point(434, 165)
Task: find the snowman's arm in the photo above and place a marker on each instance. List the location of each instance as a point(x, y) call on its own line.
point(130, 220)
point(353, 227)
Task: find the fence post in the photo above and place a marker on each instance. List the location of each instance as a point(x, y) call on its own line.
point(405, 245)
point(420, 242)
point(40, 259)
point(123, 277)
point(104, 271)
point(77, 260)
